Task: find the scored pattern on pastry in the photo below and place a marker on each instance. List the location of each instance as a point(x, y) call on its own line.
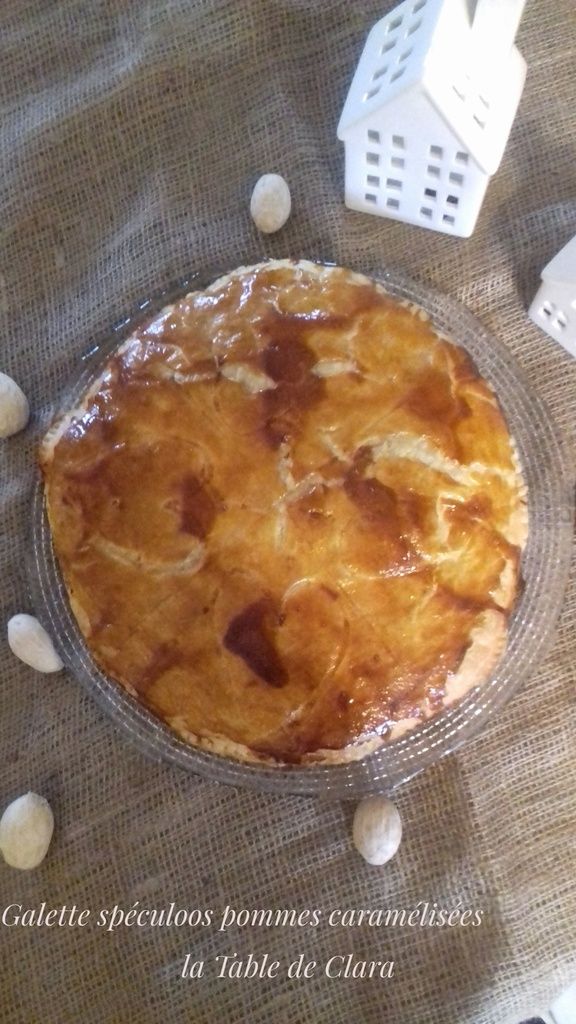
point(289, 515)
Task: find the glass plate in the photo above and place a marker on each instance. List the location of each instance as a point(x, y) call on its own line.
point(544, 568)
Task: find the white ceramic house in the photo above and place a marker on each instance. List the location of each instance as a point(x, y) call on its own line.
point(430, 109)
point(554, 307)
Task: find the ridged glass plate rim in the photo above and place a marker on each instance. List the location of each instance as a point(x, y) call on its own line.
point(545, 565)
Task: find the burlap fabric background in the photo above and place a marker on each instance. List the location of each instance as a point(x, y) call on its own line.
point(131, 135)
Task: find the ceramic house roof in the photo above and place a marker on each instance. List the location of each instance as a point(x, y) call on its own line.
point(562, 269)
point(426, 47)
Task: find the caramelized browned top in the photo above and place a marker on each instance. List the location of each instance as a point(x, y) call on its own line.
point(286, 512)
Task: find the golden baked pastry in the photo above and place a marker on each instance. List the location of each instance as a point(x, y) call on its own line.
point(289, 516)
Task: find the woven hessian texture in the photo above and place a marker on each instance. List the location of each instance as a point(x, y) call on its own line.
point(131, 136)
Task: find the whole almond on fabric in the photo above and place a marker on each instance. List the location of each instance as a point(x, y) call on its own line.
point(30, 642)
point(26, 829)
point(271, 203)
point(377, 829)
point(14, 408)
